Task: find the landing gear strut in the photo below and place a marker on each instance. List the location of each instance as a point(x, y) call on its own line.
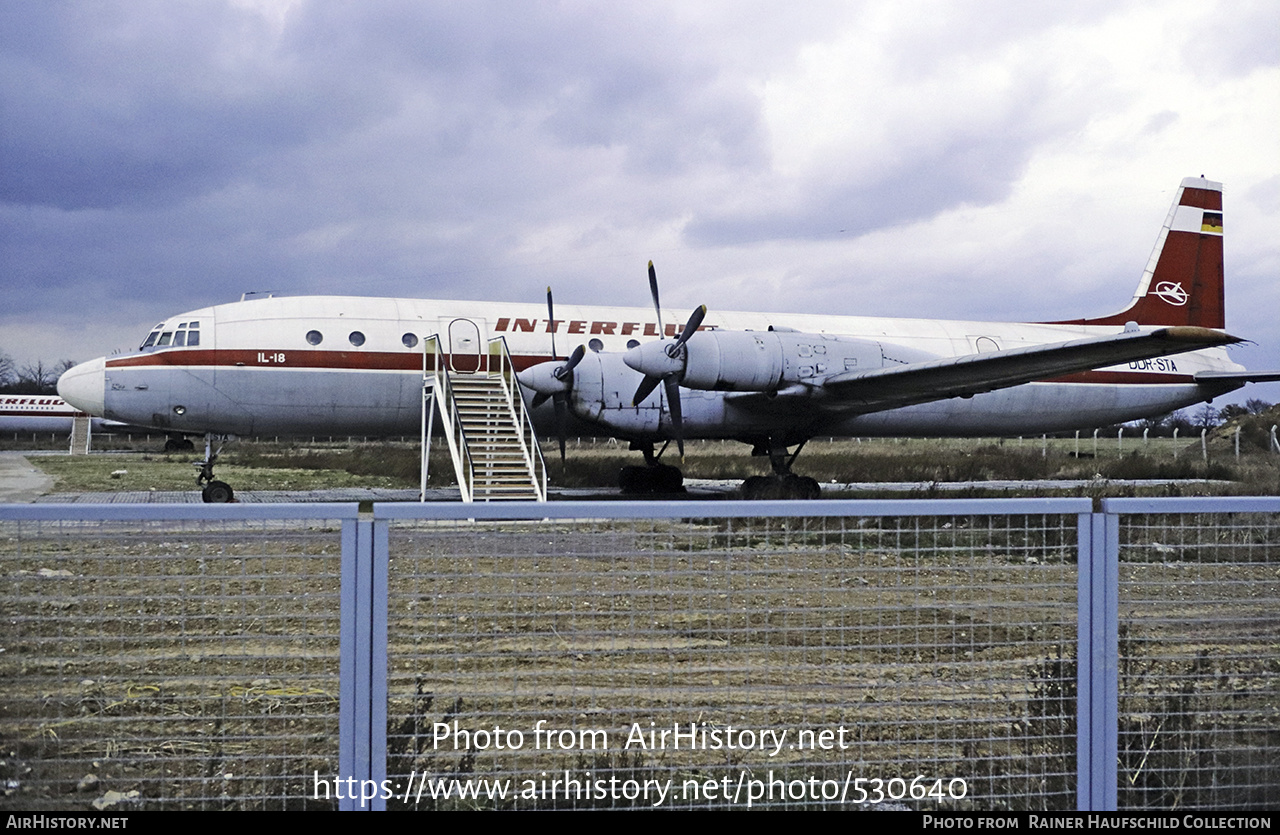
point(653, 477)
point(212, 490)
point(783, 484)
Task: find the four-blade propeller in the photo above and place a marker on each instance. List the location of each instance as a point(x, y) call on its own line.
point(554, 380)
point(664, 362)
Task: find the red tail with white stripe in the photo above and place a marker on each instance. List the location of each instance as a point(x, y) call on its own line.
point(1182, 284)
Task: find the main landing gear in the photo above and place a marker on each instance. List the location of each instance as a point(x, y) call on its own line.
point(783, 484)
point(178, 443)
point(212, 490)
point(653, 477)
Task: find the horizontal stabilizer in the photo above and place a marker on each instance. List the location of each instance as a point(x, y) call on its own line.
point(922, 382)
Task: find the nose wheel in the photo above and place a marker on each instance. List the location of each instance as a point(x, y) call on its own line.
point(212, 490)
point(217, 492)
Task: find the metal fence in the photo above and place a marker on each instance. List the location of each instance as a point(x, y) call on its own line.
point(942, 654)
point(169, 656)
point(1198, 648)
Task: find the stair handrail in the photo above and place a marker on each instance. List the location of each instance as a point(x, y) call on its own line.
point(506, 372)
point(435, 372)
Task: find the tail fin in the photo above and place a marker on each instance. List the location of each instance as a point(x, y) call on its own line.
point(1182, 284)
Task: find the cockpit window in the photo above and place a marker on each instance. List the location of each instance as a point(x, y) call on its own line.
point(186, 334)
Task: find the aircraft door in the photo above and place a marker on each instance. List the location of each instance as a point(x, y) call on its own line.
point(466, 347)
point(984, 344)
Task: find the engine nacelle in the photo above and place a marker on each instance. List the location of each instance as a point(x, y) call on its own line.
point(770, 360)
point(733, 361)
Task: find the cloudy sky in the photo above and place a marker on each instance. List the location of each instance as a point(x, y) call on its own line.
point(985, 160)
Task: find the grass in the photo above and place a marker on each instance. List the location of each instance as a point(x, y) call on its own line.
point(163, 473)
point(314, 464)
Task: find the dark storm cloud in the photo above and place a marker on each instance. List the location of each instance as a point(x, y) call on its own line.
point(190, 153)
point(161, 156)
point(111, 105)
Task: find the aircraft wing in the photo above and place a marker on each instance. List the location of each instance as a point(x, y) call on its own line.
point(1238, 376)
point(921, 382)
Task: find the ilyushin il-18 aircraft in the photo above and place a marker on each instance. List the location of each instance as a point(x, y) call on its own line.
point(311, 365)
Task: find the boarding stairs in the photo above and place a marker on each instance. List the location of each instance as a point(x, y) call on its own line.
point(81, 434)
point(486, 426)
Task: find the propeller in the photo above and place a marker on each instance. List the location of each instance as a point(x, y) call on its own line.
point(551, 323)
point(663, 362)
point(653, 291)
point(554, 380)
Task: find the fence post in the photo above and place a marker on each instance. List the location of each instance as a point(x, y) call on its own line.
point(362, 666)
point(1098, 665)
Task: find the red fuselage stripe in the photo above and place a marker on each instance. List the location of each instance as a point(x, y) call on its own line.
point(375, 361)
point(325, 360)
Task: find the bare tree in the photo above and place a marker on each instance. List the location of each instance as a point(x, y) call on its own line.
point(1206, 417)
point(38, 378)
point(1180, 420)
point(8, 371)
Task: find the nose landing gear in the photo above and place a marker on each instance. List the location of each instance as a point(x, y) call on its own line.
point(212, 490)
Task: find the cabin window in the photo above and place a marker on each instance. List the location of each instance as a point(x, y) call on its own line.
point(409, 340)
point(633, 343)
point(314, 337)
point(596, 345)
point(357, 338)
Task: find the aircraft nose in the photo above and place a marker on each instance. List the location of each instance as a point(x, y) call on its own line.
point(84, 386)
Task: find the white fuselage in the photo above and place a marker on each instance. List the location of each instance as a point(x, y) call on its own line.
point(314, 365)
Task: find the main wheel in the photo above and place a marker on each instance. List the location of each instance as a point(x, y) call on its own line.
point(217, 492)
point(668, 479)
point(764, 487)
point(802, 487)
point(660, 478)
point(634, 479)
